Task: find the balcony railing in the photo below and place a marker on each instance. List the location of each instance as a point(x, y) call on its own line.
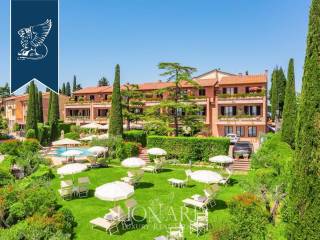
point(75, 118)
point(241, 95)
point(242, 117)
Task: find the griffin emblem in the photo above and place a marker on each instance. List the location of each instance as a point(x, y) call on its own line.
point(32, 41)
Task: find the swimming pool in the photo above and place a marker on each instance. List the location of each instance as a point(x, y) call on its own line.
point(84, 151)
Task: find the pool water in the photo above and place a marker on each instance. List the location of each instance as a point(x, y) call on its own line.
point(84, 151)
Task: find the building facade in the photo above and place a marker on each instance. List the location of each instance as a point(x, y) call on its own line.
point(15, 108)
point(230, 103)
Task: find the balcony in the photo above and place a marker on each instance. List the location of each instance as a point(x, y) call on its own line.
point(77, 118)
point(242, 119)
point(250, 95)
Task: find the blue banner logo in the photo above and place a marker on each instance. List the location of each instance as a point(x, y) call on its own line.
point(34, 43)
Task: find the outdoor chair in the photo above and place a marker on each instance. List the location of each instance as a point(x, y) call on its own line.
point(108, 226)
point(83, 189)
point(153, 168)
point(130, 205)
point(201, 223)
point(66, 192)
point(176, 233)
point(178, 182)
point(226, 180)
point(199, 202)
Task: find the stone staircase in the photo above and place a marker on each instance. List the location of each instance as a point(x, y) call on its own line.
point(144, 155)
point(241, 165)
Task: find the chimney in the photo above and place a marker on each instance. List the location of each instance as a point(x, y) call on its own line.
point(266, 71)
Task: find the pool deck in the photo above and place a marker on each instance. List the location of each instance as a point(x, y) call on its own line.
point(57, 160)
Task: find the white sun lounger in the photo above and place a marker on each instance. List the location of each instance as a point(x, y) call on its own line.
point(108, 226)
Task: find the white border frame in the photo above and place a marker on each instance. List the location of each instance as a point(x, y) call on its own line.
point(10, 47)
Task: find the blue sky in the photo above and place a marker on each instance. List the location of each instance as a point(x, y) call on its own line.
point(234, 35)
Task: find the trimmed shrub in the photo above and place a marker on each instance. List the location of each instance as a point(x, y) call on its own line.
point(72, 135)
point(66, 127)
point(138, 136)
point(30, 145)
point(190, 148)
point(31, 133)
point(43, 134)
point(10, 147)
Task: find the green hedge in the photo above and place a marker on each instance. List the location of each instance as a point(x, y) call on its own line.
point(190, 148)
point(136, 136)
point(66, 127)
point(72, 135)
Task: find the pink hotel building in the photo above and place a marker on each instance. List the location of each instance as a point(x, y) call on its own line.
point(230, 103)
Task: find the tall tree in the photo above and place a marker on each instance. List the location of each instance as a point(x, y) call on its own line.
point(36, 99)
point(74, 85)
point(277, 93)
point(281, 86)
point(68, 89)
point(274, 93)
point(304, 200)
point(49, 106)
point(131, 95)
point(177, 74)
point(54, 117)
point(103, 82)
point(40, 107)
point(5, 91)
point(290, 108)
point(31, 114)
point(63, 89)
point(116, 120)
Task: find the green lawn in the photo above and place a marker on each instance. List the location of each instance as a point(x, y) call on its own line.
point(153, 192)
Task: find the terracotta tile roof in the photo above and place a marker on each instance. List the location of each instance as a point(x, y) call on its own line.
point(145, 86)
point(89, 90)
point(244, 79)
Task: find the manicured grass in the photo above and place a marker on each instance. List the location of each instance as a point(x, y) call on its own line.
point(153, 192)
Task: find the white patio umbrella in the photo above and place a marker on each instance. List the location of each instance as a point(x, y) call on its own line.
point(133, 162)
point(65, 142)
point(103, 136)
point(206, 176)
point(92, 125)
point(221, 159)
point(71, 153)
point(72, 168)
point(98, 150)
point(114, 191)
point(133, 126)
point(156, 151)
point(104, 127)
point(88, 138)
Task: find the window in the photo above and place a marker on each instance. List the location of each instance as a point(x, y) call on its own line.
point(91, 97)
point(227, 130)
point(202, 92)
point(240, 131)
point(106, 97)
point(252, 110)
point(252, 131)
point(230, 90)
point(180, 112)
point(202, 111)
point(229, 111)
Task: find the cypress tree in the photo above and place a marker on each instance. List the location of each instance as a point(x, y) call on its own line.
point(74, 85)
point(274, 94)
point(54, 117)
point(31, 114)
point(290, 108)
point(36, 100)
point(304, 193)
point(40, 107)
point(68, 89)
point(49, 107)
point(281, 88)
point(63, 90)
point(116, 120)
